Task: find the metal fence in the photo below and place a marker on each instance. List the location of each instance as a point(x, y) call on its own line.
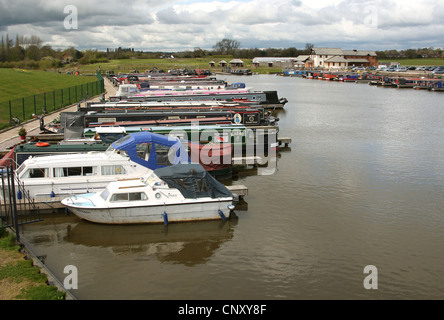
point(16, 206)
point(25, 108)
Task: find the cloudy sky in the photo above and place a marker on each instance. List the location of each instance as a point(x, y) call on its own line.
point(178, 25)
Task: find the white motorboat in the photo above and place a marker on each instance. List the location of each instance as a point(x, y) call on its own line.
point(63, 175)
point(177, 193)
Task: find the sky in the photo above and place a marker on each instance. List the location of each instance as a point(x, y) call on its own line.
point(180, 25)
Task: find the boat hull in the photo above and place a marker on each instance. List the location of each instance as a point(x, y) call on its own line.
point(192, 210)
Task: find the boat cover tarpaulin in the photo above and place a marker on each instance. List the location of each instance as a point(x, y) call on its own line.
point(193, 181)
point(132, 141)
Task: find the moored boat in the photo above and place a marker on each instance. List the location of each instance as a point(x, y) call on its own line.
point(65, 174)
point(178, 193)
point(268, 99)
point(132, 156)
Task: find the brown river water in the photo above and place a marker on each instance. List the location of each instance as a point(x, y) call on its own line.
point(361, 184)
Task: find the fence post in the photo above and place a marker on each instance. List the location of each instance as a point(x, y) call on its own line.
point(44, 103)
point(14, 209)
point(102, 83)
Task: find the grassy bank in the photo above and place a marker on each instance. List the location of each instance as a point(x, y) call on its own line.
point(127, 65)
point(19, 279)
point(417, 62)
point(17, 83)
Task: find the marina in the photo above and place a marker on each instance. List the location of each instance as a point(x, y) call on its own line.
point(359, 184)
point(85, 150)
point(393, 80)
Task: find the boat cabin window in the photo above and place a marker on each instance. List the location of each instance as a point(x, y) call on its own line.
point(165, 155)
point(74, 171)
point(143, 150)
point(112, 170)
point(131, 196)
point(36, 173)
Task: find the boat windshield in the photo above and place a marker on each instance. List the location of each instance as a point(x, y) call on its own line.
point(20, 169)
point(104, 194)
point(111, 152)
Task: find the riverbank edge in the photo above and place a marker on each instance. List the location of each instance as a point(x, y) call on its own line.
point(51, 280)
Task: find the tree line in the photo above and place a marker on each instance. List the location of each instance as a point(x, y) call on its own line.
point(420, 53)
point(31, 53)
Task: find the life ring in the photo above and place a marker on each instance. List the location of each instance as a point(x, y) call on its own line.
point(42, 144)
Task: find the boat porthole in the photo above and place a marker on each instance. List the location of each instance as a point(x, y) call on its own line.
point(158, 195)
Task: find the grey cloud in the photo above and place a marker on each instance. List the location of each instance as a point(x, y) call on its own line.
point(91, 13)
point(114, 23)
point(170, 16)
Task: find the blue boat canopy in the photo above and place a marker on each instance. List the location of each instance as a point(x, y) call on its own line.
point(152, 150)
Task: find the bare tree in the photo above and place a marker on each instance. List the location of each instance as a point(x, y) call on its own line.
point(226, 46)
point(308, 47)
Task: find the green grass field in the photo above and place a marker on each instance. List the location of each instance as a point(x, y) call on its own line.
point(127, 65)
point(17, 83)
point(25, 92)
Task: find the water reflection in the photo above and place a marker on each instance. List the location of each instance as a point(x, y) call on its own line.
point(189, 243)
point(186, 243)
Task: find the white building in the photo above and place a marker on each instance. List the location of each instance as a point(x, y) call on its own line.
point(335, 58)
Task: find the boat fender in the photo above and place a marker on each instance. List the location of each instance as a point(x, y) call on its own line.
point(19, 195)
point(67, 211)
point(222, 215)
point(165, 218)
point(52, 195)
point(42, 144)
